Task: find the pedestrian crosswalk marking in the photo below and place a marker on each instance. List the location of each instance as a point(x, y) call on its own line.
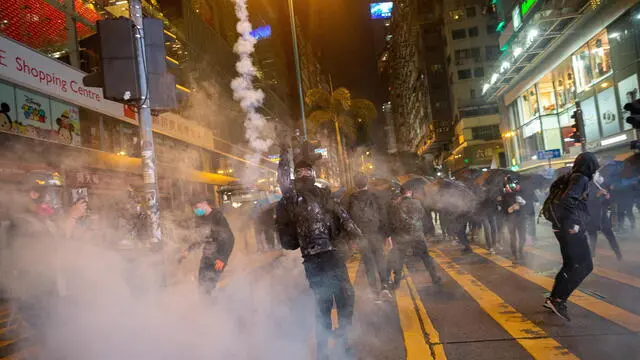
point(415, 343)
point(531, 337)
point(610, 312)
point(610, 274)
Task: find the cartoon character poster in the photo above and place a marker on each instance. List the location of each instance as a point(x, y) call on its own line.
point(66, 123)
point(33, 114)
point(7, 108)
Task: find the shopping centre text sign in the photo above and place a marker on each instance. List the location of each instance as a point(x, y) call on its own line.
point(31, 69)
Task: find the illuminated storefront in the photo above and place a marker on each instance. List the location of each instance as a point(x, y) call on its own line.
point(599, 70)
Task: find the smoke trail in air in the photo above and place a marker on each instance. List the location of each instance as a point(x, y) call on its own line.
point(243, 91)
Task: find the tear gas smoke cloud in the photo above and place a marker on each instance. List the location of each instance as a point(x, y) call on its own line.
point(257, 131)
point(108, 304)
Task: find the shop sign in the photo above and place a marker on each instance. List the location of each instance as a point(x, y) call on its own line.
point(29, 114)
point(104, 179)
point(180, 128)
point(526, 6)
point(34, 70)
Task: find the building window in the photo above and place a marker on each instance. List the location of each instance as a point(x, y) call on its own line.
point(492, 28)
point(564, 85)
point(492, 52)
point(473, 32)
point(600, 55)
point(478, 72)
point(456, 15)
point(475, 53)
point(464, 74)
point(489, 132)
point(471, 11)
point(582, 66)
point(461, 54)
point(458, 34)
point(472, 93)
point(530, 104)
point(547, 95)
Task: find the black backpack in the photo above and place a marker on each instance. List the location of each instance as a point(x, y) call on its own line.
point(365, 211)
point(551, 206)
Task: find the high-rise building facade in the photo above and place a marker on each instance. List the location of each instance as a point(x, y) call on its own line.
point(556, 55)
point(472, 48)
point(419, 91)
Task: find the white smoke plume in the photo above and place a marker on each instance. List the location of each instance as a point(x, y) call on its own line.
point(250, 98)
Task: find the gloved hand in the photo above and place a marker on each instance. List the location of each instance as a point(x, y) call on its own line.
point(219, 265)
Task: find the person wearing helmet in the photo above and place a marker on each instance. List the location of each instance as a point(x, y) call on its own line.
point(309, 219)
point(38, 227)
point(511, 203)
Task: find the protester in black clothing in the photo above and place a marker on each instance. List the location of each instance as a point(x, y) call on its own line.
point(37, 228)
point(408, 234)
point(216, 240)
point(308, 218)
point(600, 218)
point(511, 204)
point(368, 212)
point(572, 216)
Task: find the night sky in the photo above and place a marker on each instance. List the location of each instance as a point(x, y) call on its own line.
point(343, 33)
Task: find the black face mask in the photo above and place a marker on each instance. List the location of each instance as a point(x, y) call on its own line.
point(305, 183)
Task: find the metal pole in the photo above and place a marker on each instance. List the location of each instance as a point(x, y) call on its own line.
point(149, 173)
point(296, 58)
point(580, 123)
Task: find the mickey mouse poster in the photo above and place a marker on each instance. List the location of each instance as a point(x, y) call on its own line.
point(6, 124)
point(66, 126)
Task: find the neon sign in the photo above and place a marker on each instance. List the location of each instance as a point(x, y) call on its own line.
point(526, 6)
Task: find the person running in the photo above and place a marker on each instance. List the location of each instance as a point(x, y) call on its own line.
point(367, 211)
point(598, 205)
point(570, 231)
point(216, 240)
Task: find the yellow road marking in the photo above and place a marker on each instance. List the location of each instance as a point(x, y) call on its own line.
point(610, 274)
point(531, 337)
point(414, 340)
point(411, 308)
point(610, 312)
point(352, 269)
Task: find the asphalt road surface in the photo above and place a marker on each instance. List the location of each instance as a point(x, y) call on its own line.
point(486, 308)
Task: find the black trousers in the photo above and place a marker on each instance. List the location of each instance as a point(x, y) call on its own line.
point(371, 249)
point(418, 246)
point(608, 233)
point(517, 230)
point(576, 263)
point(208, 276)
point(329, 280)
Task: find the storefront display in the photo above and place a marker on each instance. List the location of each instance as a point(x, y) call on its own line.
point(590, 119)
point(582, 67)
point(608, 112)
point(628, 92)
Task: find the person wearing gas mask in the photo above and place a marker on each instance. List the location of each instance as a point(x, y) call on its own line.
point(511, 203)
point(600, 217)
point(570, 228)
point(216, 239)
point(36, 234)
point(309, 219)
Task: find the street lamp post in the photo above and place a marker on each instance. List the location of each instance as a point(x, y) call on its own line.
point(296, 59)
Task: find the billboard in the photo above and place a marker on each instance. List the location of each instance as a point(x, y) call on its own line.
point(381, 10)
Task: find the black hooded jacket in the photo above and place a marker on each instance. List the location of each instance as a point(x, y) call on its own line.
point(218, 240)
point(307, 217)
point(574, 199)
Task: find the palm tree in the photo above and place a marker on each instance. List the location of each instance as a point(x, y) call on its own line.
point(338, 110)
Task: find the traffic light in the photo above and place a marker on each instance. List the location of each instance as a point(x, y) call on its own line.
point(118, 65)
point(576, 136)
point(118, 70)
point(634, 118)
